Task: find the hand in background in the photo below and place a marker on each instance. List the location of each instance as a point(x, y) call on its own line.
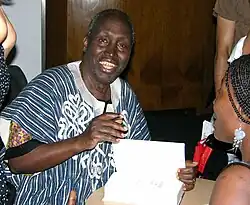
point(72, 198)
point(188, 175)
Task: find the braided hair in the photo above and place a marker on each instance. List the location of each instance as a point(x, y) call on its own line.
point(239, 75)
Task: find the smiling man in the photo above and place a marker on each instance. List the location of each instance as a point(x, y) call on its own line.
point(59, 131)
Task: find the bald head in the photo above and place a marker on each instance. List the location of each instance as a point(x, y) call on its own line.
point(110, 14)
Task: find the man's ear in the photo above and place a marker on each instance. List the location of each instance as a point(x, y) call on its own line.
point(85, 43)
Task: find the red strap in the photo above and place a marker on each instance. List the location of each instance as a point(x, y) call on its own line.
point(201, 155)
point(203, 161)
point(199, 150)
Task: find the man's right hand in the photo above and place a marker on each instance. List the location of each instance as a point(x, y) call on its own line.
point(104, 128)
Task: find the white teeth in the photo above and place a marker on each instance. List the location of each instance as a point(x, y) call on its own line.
point(107, 65)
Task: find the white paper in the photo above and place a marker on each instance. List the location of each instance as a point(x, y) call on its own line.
point(146, 173)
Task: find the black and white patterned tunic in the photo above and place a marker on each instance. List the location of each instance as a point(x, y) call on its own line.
point(61, 107)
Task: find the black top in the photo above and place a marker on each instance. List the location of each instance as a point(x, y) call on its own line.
point(4, 86)
point(4, 77)
point(218, 159)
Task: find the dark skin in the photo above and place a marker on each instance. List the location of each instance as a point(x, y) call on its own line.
point(107, 52)
point(188, 175)
point(232, 187)
point(72, 198)
point(111, 43)
point(104, 128)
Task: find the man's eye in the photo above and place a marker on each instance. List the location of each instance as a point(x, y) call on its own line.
point(122, 46)
point(103, 40)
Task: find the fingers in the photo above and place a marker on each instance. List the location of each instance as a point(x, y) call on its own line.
point(111, 134)
point(189, 172)
point(109, 116)
point(188, 187)
point(108, 138)
point(107, 127)
point(187, 180)
point(191, 167)
point(113, 128)
point(190, 164)
point(188, 175)
point(72, 198)
point(112, 120)
point(118, 120)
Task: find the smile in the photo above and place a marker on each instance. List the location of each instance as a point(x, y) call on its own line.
point(107, 66)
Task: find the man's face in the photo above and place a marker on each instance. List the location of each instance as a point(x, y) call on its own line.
point(108, 50)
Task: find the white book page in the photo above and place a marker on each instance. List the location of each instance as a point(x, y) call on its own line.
point(146, 173)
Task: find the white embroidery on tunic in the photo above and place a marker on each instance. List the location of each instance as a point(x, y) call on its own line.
point(76, 116)
point(96, 162)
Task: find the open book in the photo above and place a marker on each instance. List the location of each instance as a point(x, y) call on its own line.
point(146, 173)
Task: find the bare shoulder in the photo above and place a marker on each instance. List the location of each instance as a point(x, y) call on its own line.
point(235, 172)
point(3, 26)
point(232, 186)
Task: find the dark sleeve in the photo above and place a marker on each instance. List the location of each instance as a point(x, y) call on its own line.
point(3, 184)
point(4, 77)
point(7, 190)
point(22, 149)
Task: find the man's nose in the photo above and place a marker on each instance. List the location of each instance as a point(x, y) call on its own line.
point(111, 50)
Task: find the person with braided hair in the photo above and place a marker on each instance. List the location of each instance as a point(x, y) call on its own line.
point(212, 162)
point(232, 125)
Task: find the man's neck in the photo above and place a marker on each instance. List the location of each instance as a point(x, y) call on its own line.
point(98, 90)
